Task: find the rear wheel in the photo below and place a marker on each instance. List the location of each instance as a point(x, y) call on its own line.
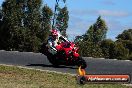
point(82, 63)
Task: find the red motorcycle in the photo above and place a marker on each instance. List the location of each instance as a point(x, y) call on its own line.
point(67, 54)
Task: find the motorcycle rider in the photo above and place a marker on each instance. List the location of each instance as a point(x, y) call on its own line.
point(53, 41)
point(51, 44)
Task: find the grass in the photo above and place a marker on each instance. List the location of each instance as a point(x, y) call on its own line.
point(14, 77)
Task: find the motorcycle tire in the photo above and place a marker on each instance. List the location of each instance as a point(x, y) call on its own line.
point(52, 60)
point(82, 63)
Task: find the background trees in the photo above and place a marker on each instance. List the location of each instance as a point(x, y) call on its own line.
point(125, 38)
point(47, 14)
point(11, 15)
point(94, 43)
point(25, 24)
point(97, 31)
point(107, 46)
point(92, 38)
point(4, 32)
point(62, 20)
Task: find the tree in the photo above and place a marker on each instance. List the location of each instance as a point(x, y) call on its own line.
point(126, 35)
point(87, 49)
point(107, 47)
point(89, 35)
point(96, 32)
point(121, 52)
point(62, 20)
point(91, 41)
point(23, 20)
point(99, 30)
point(4, 32)
point(33, 23)
point(125, 38)
point(46, 23)
point(11, 22)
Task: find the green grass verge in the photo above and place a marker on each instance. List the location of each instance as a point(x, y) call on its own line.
point(14, 77)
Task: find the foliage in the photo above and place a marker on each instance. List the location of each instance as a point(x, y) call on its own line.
point(4, 32)
point(46, 23)
point(125, 38)
point(11, 19)
point(130, 57)
point(90, 44)
point(97, 31)
point(120, 51)
point(107, 47)
point(88, 49)
point(126, 35)
point(22, 27)
point(62, 20)
point(94, 43)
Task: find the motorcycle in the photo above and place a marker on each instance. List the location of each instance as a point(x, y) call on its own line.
point(67, 54)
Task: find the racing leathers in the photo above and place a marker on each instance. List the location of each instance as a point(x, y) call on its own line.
point(53, 42)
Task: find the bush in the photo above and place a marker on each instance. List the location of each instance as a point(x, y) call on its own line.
point(88, 49)
point(130, 57)
point(121, 52)
point(107, 47)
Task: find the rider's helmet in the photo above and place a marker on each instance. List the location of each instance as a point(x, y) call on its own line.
point(54, 33)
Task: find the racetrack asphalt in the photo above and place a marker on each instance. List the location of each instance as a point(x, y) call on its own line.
point(39, 61)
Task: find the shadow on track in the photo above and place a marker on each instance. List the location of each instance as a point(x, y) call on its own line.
point(60, 66)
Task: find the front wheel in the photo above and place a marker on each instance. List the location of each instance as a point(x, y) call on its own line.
point(82, 63)
point(52, 60)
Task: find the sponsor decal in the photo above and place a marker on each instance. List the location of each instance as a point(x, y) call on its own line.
point(83, 78)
